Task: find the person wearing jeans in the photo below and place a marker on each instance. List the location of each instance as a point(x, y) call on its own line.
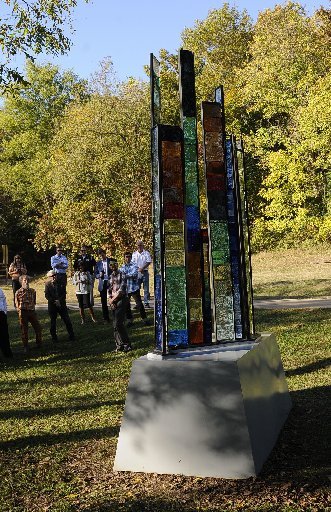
point(102, 274)
point(130, 270)
point(118, 302)
point(143, 259)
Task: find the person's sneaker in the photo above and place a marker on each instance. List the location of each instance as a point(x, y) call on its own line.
point(147, 322)
point(129, 323)
point(127, 348)
point(119, 349)
point(147, 305)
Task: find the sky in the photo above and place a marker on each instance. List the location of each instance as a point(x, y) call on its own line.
point(129, 30)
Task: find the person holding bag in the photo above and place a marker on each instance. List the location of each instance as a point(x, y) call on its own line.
point(82, 280)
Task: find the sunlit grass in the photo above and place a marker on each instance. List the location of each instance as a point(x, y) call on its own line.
point(61, 411)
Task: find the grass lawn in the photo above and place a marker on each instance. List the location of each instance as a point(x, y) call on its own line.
point(61, 411)
point(300, 273)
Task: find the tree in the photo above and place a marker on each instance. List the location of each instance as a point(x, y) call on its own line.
point(100, 172)
point(28, 122)
point(30, 28)
point(221, 46)
point(289, 55)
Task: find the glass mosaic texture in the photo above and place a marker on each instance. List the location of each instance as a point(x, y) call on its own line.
point(195, 275)
point(219, 249)
point(174, 243)
point(202, 277)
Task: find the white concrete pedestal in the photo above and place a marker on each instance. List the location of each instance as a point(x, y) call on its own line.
point(212, 411)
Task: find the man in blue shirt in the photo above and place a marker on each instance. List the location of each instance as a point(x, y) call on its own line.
point(130, 269)
point(59, 264)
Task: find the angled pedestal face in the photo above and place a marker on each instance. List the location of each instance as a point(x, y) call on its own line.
point(215, 411)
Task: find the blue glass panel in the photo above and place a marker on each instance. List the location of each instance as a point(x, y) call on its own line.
point(178, 338)
point(158, 311)
point(193, 217)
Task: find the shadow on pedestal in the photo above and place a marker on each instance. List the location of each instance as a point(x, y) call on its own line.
point(213, 411)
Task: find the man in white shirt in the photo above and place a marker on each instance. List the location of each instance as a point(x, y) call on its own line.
point(4, 336)
point(143, 259)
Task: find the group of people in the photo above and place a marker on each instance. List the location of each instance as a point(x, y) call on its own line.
point(116, 286)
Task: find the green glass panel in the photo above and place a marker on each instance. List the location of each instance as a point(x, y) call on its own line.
point(191, 194)
point(219, 236)
point(157, 261)
point(175, 258)
point(191, 171)
point(190, 153)
point(176, 298)
point(222, 288)
point(174, 242)
point(189, 129)
point(220, 257)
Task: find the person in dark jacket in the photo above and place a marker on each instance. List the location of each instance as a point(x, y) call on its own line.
point(55, 293)
point(118, 302)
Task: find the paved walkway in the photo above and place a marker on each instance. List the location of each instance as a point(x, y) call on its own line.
point(324, 303)
point(292, 303)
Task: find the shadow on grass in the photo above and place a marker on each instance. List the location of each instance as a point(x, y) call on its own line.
point(93, 342)
point(309, 368)
point(301, 451)
point(65, 437)
point(290, 318)
point(282, 288)
point(51, 411)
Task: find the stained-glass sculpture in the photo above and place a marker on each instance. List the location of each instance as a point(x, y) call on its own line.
point(202, 277)
point(195, 275)
point(216, 186)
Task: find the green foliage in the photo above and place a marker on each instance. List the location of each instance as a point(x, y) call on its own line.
point(86, 176)
point(286, 85)
point(30, 28)
point(221, 45)
point(27, 125)
point(100, 173)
